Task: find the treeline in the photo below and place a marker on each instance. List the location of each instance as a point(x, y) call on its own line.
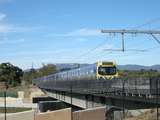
point(31, 74)
point(139, 73)
point(14, 76)
point(10, 74)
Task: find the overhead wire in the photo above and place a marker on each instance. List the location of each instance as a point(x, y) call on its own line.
point(147, 23)
point(91, 50)
point(146, 49)
point(114, 50)
point(134, 50)
point(151, 48)
point(101, 52)
point(140, 26)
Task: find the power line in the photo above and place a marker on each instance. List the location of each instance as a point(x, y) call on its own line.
point(98, 55)
point(130, 31)
point(136, 50)
point(91, 50)
point(95, 48)
point(126, 31)
point(158, 41)
point(147, 23)
point(136, 31)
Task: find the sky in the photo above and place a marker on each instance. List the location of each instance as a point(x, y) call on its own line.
point(36, 32)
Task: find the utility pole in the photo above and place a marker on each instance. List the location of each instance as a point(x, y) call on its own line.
point(5, 109)
point(123, 99)
point(157, 96)
point(71, 87)
point(5, 106)
point(125, 31)
point(32, 70)
point(122, 42)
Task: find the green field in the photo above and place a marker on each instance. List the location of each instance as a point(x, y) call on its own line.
point(14, 110)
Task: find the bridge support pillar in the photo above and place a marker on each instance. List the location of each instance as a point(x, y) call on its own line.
point(110, 112)
point(92, 100)
point(89, 101)
point(86, 99)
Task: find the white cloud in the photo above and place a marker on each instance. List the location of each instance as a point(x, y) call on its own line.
point(6, 28)
point(13, 28)
point(60, 53)
point(80, 32)
point(3, 28)
point(85, 32)
point(2, 16)
point(7, 41)
point(81, 39)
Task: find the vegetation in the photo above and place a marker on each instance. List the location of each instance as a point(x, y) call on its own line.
point(14, 110)
point(9, 94)
point(14, 75)
point(10, 74)
point(139, 73)
point(44, 70)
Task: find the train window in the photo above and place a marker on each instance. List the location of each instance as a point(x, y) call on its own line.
point(79, 73)
point(62, 76)
point(73, 73)
point(107, 70)
point(87, 72)
point(91, 71)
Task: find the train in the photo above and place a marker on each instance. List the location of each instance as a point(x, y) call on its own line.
point(100, 77)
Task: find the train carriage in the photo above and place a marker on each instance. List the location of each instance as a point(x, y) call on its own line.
point(101, 77)
point(82, 78)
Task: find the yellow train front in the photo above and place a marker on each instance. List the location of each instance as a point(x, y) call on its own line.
point(106, 70)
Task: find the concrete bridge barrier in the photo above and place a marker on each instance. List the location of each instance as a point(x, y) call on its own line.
point(27, 115)
point(98, 113)
point(63, 114)
point(90, 114)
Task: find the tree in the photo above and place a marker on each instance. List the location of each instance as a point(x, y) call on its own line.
point(10, 74)
point(31, 74)
point(47, 69)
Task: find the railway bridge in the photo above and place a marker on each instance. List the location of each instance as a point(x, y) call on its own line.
point(119, 99)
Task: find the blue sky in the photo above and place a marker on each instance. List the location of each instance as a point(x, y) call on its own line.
point(67, 31)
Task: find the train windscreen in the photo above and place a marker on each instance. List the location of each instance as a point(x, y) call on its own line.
point(107, 70)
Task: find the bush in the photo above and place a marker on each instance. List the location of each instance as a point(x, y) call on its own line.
point(9, 94)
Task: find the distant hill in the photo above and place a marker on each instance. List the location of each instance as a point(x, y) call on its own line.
point(138, 67)
point(67, 66)
point(120, 67)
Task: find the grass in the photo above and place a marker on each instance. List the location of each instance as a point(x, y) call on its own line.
point(14, 110)
point(9, 94)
